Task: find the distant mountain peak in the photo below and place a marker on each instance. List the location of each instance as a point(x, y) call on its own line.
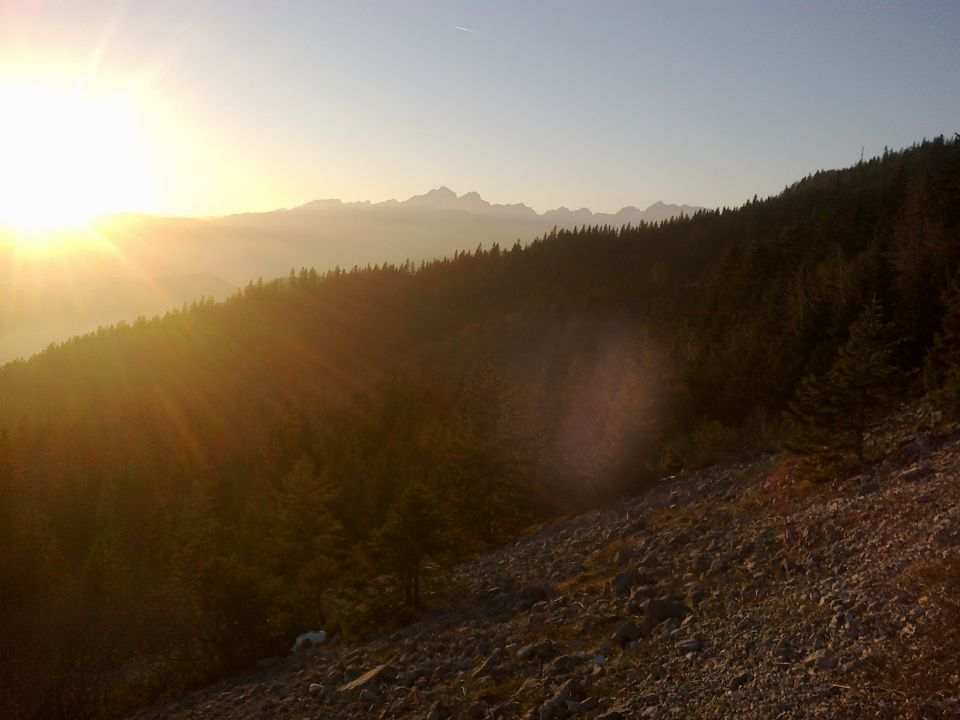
point(324, 203)
point(440, 193)
point(440, 198)
point(472, 203)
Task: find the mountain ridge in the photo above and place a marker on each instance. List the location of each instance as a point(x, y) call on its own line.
point(443, 198)
point(237, 249)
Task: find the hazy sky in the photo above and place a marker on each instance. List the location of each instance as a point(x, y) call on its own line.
point(254, 104)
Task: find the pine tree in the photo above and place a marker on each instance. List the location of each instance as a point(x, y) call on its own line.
point(839, 408)
point(942, 366)
point(489, 460)
point(303, 546)
point(412, 533)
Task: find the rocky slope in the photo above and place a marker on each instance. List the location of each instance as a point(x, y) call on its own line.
point(745, 590)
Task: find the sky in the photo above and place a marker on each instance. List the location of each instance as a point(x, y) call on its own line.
point(250, 105)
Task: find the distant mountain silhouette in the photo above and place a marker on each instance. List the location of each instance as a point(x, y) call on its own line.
point(145, 265)
point(443, 198)
point(327, 233)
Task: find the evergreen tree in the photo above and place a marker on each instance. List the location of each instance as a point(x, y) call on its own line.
point(303, 547)
point(839, 408)
point(942, 367)
point(489, 460)
point(412, 533)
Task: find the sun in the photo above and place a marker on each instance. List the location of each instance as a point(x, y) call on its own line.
point(67, 157)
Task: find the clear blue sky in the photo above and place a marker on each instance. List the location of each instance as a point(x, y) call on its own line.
point(254, 104)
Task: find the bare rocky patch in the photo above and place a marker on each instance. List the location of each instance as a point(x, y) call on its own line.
point(745, 590)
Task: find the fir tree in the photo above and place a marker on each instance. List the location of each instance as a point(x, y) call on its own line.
point(412, 533)
point(839, 408)
point(489, 459)
point(303, 547)
point(942, 367)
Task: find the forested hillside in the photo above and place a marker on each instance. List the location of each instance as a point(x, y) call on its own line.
point(123, 266)
point(183, 495)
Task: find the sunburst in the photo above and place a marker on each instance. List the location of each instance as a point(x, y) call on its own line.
point(66, 157)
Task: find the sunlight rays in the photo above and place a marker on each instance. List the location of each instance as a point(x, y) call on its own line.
point(67, 157)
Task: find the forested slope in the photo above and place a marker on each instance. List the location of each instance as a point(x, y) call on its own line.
point(181, 495)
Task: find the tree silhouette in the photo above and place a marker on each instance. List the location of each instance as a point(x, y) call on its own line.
point(489, 460)
point(303, 547)
point(412, 533)
point(942, 366)
point(838, 408)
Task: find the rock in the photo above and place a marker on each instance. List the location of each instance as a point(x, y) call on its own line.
point(565, 663)
point(660, 609)
point(947, 537)
point(490, 594)
point(380, 674)
point(507, 710)
point(784, 651)
point(693, 645)
point(628, 632)
point(477, 711)
point(611, 715)
point(370, 698)
point(409, 677)
point(625, 555)
point(624, 580)
point(915, 450)
point(568, 690)
point(697, 595)
point(401, 706)
point(627, 579)
point(438, 711)
point(533, 594)
point(548, 711)
point(489, 666)
point(701, 564)
point(588, 704)
point(538, 651)
point(820, 660)
point(558, 705)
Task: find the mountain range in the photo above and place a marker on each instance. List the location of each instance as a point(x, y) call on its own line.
point(143, 265)
point(443, 198)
